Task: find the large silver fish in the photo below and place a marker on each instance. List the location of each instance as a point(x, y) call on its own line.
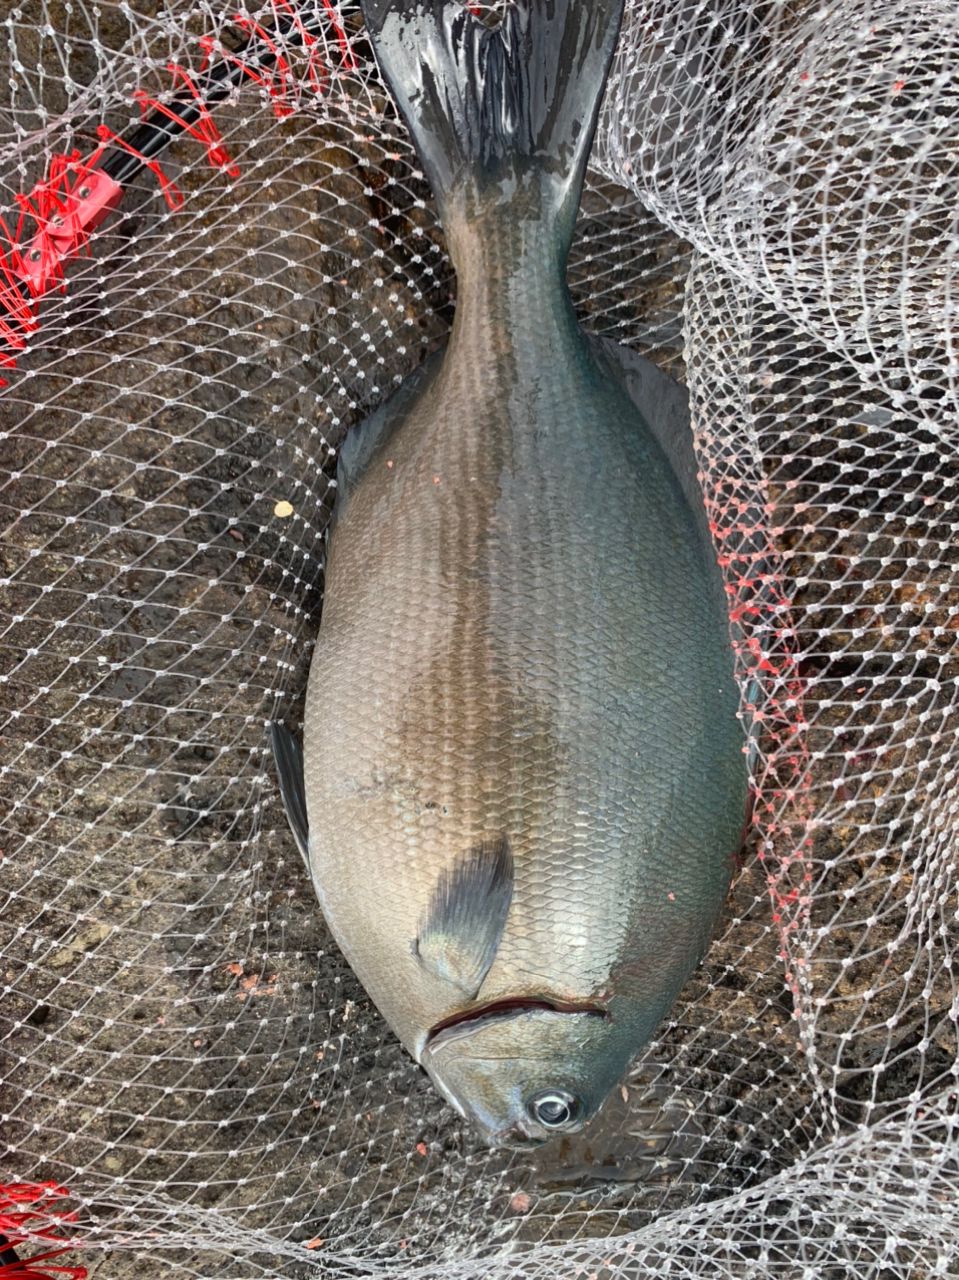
point(525, 781)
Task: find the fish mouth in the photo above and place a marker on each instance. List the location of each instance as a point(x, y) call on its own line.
point(467, 1020)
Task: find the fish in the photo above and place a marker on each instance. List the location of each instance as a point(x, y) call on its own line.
point(523, 782)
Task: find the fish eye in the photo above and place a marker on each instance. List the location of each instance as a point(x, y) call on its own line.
point(553, 1109)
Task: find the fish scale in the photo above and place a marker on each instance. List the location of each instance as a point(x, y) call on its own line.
point(524, 776)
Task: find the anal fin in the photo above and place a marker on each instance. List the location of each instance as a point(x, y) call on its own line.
point(288, 757)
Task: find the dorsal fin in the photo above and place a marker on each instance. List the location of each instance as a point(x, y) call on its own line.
point(464, 922)
point(664, 405)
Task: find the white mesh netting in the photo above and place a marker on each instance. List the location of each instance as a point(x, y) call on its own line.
point(772, 216)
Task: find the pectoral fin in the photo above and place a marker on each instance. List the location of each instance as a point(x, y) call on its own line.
point(288, 756)
point(464, 922)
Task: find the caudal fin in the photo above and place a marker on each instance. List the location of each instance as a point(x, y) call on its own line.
point(484, 104)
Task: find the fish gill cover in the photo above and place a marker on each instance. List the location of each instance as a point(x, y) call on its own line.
point(770, 216)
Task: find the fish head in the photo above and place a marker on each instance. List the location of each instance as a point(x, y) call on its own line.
point(526, 1075)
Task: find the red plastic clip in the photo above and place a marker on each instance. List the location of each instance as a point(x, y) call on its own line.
point(64, 230)
point(64, 209)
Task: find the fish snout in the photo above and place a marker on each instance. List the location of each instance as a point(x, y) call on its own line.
point(524, 1071)
point(517, 1138)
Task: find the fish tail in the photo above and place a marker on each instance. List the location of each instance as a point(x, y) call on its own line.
point(491, 108)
